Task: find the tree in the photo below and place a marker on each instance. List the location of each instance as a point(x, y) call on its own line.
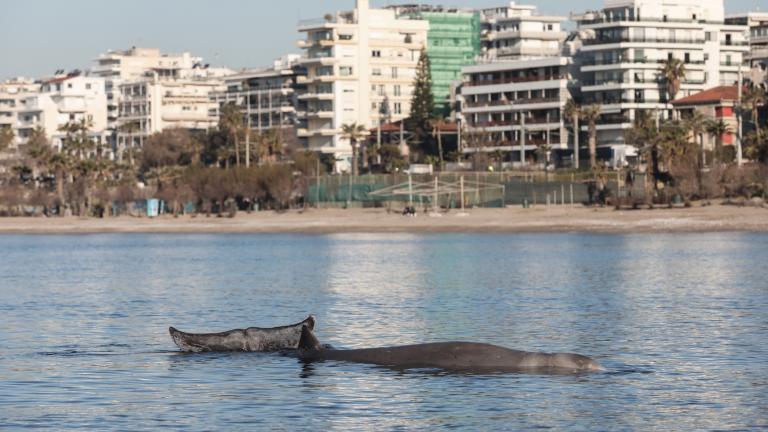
point(696, 125)
point(590, 114)
point(129, 128)
point(354, 133)
point(422, 103)
point(716, 128)
point(232, 122)
point(436, 123)
point(644, 135)
point(171, 147)
point(572, 112)
point(6, 138)
point(673, 71)
point(754, 97)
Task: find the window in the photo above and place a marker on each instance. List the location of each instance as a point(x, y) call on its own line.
point(394, 72)
point(549, 27)
point(687, 57)
point(381, 90)
point(398, 91)
point(376, 72)
point(376, 53)
point(345, 37)
point(87, 86)
point(398, 108)
point(345, 70)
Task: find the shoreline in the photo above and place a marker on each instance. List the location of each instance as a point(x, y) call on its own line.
point(715, 218)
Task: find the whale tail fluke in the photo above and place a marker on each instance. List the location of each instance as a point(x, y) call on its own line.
point(308, 341)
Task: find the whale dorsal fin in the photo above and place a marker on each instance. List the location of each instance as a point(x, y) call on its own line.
point(308, 340)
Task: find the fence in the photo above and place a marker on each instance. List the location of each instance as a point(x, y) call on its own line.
point(480, 189)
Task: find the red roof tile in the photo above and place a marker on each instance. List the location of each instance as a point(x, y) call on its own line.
point(713, 95)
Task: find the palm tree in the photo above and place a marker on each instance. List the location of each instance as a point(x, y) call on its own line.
point(591, 113)
point(354, 133)
point(130, 128)
point(674, 72)
point(696, 124)
point(644, 135)
point(231, 120)
point(716, 128)
point(755, 97)
point(77, 143)
point(572, 112)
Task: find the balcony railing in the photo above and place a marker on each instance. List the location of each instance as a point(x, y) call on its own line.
point(516, 80)
point(528, 121)
point(614, 40)
point(606, 20)
point(513, 102)
point(734, 43)
point(612, 61)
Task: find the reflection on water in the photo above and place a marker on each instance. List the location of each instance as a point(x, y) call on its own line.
point(679, 320)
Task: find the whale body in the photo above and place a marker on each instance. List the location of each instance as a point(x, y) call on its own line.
point(450, 356)
point(252, 339)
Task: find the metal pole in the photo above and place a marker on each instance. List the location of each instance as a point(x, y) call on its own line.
point(462, 193)
point(434, 202)
point(740, 122)
point(248, 131)
point(562, 194)
point(503, 196)
point(576, 134)
point(410, 190)
point(522, 139)
point(349, 193)
point(317, 192)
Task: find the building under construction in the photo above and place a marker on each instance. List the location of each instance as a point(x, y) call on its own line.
point(453, 41)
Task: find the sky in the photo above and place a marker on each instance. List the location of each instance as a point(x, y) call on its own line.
point(38, 37)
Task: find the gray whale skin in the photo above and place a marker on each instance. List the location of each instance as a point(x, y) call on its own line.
point(252, 339)
point(449, 356)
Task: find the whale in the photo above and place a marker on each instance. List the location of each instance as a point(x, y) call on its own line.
point(253, 339)
point(449, 356)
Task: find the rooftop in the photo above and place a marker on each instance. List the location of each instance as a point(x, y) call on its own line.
point(713, 95)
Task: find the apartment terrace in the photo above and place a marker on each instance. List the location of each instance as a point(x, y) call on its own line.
point(638, 39)
point(625, 19)
point(632, 60)
point(513, 102)
point(477, 81)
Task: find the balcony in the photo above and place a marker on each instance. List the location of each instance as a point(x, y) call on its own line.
point(630, 60)
point(608, 20)
point(616, 40)
point(515, 80)
point(734, 43)
point(513, 102)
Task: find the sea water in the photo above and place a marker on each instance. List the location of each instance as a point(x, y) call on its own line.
point(679, 321)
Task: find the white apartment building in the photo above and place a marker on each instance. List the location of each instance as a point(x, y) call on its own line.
point(516, 106)
point(360, 68)
point(62, 100)
point(118, 67)
point(155, 104)
point(625, 45)
point(268, 97)
point(758, 43)
point(12, 94)
point(518, 31)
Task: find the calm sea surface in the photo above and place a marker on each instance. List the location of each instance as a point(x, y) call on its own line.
point(680, 321)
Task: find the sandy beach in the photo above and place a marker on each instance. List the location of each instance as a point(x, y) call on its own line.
point(553, 219)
